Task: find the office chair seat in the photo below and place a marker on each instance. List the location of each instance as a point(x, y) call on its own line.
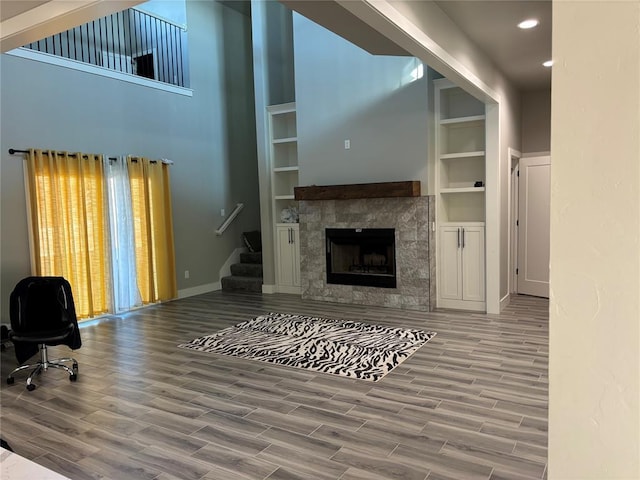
point(43, 313)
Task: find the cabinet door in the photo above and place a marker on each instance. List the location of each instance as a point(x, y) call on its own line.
point(450, 263)
point(473, 264)
point(295, 253)
point(288, 259)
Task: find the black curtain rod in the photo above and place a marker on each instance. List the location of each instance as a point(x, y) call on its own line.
point(13, 151)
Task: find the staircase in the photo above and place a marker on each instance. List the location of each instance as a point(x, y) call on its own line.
point(246, 276)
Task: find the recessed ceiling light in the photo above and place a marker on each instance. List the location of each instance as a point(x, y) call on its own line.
point(529, 23)
point(548, 63)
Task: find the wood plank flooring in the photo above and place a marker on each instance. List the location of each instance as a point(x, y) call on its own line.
point(470, 404)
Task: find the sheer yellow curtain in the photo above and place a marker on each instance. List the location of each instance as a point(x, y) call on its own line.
point(68, 224)
point(153, 229)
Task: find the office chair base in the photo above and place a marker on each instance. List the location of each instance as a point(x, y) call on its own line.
point(43, 365)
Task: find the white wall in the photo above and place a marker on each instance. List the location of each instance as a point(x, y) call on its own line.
point(378, 103)
point(594, 372)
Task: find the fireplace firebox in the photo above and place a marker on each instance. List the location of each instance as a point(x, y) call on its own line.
point(361, 256)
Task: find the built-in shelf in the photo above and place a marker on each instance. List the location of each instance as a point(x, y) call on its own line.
point(460, 206)
point(466, 224)
point(286, 169)
point(458, 120)
point(455, 156)
point(285, 140)
point(462, 190)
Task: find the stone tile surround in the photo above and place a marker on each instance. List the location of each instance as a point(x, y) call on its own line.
point(411, 217)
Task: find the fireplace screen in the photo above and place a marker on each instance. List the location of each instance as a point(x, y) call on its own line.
point(361, 256)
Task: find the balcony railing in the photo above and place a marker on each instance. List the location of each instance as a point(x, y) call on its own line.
point(130, 41)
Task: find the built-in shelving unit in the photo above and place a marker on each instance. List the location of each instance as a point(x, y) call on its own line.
point(283, 138)
point(284, 155)
point(460, 199)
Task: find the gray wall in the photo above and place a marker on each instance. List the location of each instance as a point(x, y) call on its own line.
point(210, 137)
point(343, 92)
point(536, 121)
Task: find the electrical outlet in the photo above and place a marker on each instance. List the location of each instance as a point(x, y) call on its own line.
point(186, 274)
point(347, 144)
point(222, 212)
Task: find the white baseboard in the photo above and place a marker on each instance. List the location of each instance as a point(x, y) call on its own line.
point(199, 290)
point(504, 301)
point(286, 289)
point(225, 270)
point(269, 288)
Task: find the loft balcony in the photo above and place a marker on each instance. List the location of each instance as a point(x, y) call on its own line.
point(131, 42)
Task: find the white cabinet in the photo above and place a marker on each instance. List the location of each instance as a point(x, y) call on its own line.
point(288, 258)
point(461, 267)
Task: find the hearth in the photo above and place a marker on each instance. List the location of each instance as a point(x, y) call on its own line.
point(361, 256)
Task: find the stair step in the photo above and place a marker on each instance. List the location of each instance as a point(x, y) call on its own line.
point(247, 270)
point(236, 283)
point(251, 257)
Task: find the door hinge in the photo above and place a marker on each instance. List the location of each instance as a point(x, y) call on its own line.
point(518, 173)
point(517, 223)
point(517, 271)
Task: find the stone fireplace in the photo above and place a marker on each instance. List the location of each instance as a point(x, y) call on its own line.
point(410, 220)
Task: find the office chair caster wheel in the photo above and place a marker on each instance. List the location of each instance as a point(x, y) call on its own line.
point(31, 387)
point(75, 367)
point(10, 380)
point(73, 377)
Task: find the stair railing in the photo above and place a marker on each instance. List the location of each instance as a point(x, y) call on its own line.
point(230, 219)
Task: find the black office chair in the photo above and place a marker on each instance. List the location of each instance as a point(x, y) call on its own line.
point(42, 313)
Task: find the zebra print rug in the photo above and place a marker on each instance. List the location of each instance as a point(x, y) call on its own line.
point(340, 347)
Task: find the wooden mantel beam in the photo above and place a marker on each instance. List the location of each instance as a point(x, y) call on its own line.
point(359, 190)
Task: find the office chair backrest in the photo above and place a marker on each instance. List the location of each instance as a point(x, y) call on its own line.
point(41, 304)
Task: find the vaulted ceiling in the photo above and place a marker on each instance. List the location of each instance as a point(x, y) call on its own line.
point(491, 24)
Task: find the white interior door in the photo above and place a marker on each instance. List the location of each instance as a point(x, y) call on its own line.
point(533, 226)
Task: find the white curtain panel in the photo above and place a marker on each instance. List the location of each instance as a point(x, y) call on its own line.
point(123, 263)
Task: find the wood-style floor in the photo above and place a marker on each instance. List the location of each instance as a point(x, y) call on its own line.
point(470, 404)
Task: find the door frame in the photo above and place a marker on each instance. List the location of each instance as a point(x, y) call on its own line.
point(512, 234)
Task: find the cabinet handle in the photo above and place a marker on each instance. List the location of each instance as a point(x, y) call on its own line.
point(458, 238)
point(462, 237)
point(289, 236)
